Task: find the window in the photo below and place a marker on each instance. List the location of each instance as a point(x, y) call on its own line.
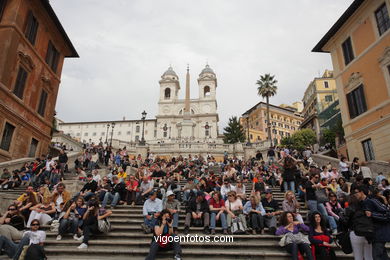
point(31, 28)
point(251, 136)
point(137, 138)
point(155, 133)
point(52, 56)
point(78, 134)
point(137, 129)
point(347, 51)
point(258, 138)
point(356, 102)
point(382, 19)
point(2, 7)
point(368, 150)
point(326, 84)
point(119, 133)
point(128, 132)
point(42, 103)
point(94, 134)
point(102, 134)
point(328, 98)
point(20, 83)
point(33, 147)
point(85, 134)
point(206, 91)
point(167, 93)
point(7, 136)
point(274, 131)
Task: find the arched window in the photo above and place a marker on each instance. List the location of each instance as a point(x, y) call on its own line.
point(207, 129)
point(165, 130)
point(206, 91)
point(167, 93)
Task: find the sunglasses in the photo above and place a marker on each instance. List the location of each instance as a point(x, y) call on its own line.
point(35, 224)
point(12, 209)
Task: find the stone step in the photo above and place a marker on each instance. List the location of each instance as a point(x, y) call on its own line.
point(188, 253)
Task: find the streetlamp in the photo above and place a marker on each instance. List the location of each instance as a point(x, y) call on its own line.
point(143, 127)
point(112, 132)
point(108, 126)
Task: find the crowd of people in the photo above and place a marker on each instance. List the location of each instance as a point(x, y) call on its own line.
point(235, 195)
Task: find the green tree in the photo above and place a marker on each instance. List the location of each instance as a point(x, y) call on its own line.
point(266, 89)
point(234, 132)
point(287, 141)
point(328, 137)
point(303, 138)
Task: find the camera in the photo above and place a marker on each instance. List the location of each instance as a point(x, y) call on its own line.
point(168, 220)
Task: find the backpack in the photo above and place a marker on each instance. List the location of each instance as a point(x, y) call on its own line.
point(104, 225)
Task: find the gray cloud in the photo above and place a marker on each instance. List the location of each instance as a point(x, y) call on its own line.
point(126, 45)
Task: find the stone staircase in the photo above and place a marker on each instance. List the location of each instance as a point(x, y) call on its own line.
point(127, 240)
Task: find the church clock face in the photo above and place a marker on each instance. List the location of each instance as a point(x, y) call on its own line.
point(166, 110)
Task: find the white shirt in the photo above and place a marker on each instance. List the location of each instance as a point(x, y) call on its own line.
point(97, 178)
point(225, 190)
point(343, 167)
point(58, 202)
point(36, 237)
point(49, 164)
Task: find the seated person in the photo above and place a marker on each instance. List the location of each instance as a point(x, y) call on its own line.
point(294, 229)
point(217, 212)
point(189, 187)
point(320, 238)
point(131, 190)
point(5, 179)
point(34, 237)
point(145, 188)
point(60, 196)
point(291, 204)
point(240, 190)
point(72, 218)
point(173, 206)
point(89, 189)
point(271, 207)
point(116, 193)
point(234, 209)
point(226, 188)
point(43, 212)
point(26, 201)
point(12, 223)
point(103, 188)
point(258, 185)
point(255, 212)
point(334, 210)
point(151, 211)
point(91, 218)
point(163, 228)
point(198, 212)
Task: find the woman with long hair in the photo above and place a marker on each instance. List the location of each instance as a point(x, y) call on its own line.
point(293, 239)
point(290, 203)
point(320, 238)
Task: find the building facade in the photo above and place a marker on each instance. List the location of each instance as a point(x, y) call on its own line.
point(284, 122)
point(178, 120)
point(33, 46)
point(359, 46)
point(319, 95)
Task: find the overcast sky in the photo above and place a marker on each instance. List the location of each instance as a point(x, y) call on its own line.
point(126, 45)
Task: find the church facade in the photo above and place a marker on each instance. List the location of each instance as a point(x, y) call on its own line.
point(177, 120)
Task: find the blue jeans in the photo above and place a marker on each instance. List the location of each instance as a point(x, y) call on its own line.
point(287, 184)
point(175, 223)
point(150, 222)
point(87, 196)
point(213, 221)
point(114, 198)
point(332, 223)
point(314, 206)
point(13, 250)
point(68, 226)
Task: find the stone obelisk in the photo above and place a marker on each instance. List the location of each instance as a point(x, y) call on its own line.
point(187, 124)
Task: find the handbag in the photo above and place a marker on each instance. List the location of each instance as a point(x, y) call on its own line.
point(104, 225)
point(321, 196)
point(344, 242)
point(237, 226)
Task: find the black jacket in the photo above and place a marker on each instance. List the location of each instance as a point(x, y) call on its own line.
point(63, 158)
point(90, 186)
point(204, 206)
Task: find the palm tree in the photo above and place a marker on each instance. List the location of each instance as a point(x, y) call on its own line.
point(266, 89)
